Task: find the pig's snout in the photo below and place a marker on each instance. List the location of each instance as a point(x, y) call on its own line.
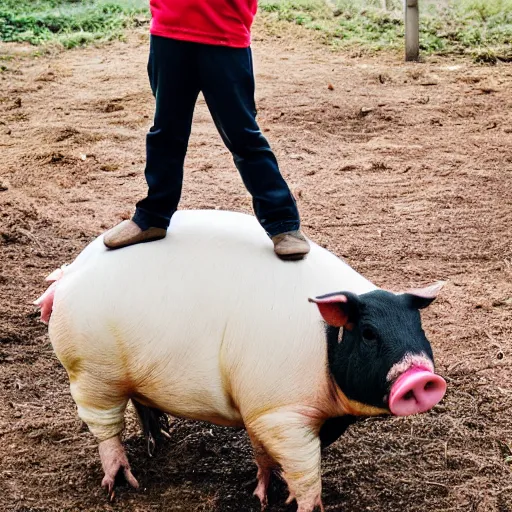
point(416, 390)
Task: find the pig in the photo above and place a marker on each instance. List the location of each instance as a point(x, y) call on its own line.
point(208, 324)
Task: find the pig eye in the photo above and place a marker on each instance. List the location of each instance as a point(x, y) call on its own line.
point(369, 334)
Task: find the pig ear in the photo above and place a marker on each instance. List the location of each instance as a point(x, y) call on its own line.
point(420, 298)
point(337, 309)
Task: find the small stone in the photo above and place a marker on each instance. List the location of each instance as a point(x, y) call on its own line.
point(113, 107)
point(109, 167)
point(487, 90)
point(429, 81)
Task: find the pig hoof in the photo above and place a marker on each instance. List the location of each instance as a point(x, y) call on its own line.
point(109, 480)
point(263, 477)
point(307, 505)
point(115, 462)
point(261, 493)
point(311, 507)
point(151, 445)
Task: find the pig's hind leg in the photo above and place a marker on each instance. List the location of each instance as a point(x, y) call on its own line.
point(101, 405)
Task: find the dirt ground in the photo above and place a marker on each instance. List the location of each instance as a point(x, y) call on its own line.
point(404, 170)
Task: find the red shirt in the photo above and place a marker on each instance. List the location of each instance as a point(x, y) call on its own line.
point(218, 22)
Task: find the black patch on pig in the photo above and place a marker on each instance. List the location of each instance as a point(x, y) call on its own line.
point(334, 428)
point(153, 422)
point(385, 327)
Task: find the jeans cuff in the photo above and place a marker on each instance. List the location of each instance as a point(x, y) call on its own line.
point(282, 227)
point(146, 220)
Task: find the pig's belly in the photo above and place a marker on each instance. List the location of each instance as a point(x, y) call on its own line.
point(196, 403)
point(182, 384)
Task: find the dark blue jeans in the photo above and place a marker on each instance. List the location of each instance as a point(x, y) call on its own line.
point(178, 71)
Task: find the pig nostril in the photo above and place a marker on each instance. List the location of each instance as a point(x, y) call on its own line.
point(430, 385)
point(409, 395)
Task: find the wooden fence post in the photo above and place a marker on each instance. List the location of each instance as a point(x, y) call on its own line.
point(412, 30)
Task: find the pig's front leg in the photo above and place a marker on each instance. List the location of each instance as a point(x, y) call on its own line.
point(290, 439)
point(113, 460)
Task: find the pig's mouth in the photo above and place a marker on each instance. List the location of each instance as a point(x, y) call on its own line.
point(416, 390)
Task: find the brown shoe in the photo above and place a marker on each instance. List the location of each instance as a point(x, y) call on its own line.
point(128, 233)
point(291, 245)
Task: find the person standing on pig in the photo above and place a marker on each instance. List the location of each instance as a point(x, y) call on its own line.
point(204, 46)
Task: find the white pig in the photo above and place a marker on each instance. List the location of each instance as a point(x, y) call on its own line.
point(209, 324)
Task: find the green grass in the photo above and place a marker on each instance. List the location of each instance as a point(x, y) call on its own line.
point(70, 23)
point(481, 28)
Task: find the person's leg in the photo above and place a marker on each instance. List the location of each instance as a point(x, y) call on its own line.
point(175, 85)
point(227, 81)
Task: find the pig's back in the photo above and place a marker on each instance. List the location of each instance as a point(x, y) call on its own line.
point(206, 321)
